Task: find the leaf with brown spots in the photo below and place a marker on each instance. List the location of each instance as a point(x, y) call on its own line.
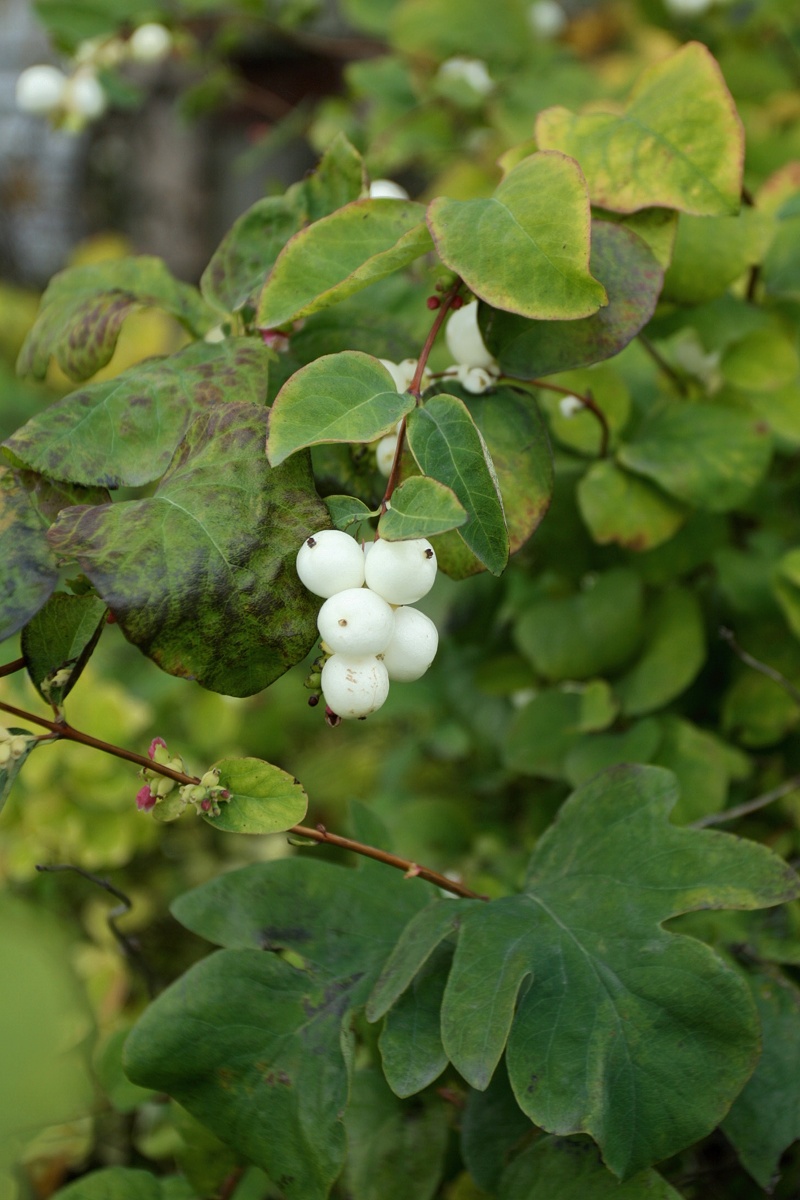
point(255, 1048)
point(83, 309)
point(123, 432)
point(201, 575)
point(28, 503)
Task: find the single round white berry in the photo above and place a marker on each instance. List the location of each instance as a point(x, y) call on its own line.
point(356, 622)
point(464, 339)
point(386, 189)
point(150, 42)
point(547, 18)
point(570, 406)
point(687, 8)
point(40, 89)
point(330, 561)
point(401, 572)
point(471, 71)
point(354, 687)
point(385, 452)
point(477, 380)
point(412, 647)
point(84, 95)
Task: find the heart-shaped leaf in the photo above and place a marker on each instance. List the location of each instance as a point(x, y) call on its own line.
point(264, 798)
point(526, 248)
point(420, 508)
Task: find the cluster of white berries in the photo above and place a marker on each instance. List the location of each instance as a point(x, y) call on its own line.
point(74, 99)
point(371, 632)
point(474, 366)
point(402, 373)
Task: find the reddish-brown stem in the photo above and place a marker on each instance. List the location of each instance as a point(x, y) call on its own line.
point(662, 363)
point(586, 400)
point(12, 667)
point(412, 869)
point(318, 834)
point(415, 386)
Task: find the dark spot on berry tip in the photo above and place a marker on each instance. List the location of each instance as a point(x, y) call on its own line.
point(362, 718)
point(311, 542)
point(342, 621)
point(429, 553)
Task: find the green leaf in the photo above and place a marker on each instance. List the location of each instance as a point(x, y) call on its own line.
point(120, 1183)
point(417, 943)
point(58, 642)
point(673, 654)
point(11, 769)
point(786, 584)
point(448, 446)
point(605, 1012)
point(240, 264)
point(123, 432)
point(657, 227)
point(264, 800)
point(200, 576)
point(83, 308)
point(571, 1169)
point(411, 1047)
point(764, 360)
point(339, 255)
point(526, 248)
point(632, 277)
point(347, 397)
point(419, 508)
point(598, 751)
point(426, 28)
point(347, 511)
point(28, 503)
point(395, 1151)
point(712, 252)
point(703, 764)
point(782, 261)
point(764, 1120)
point(678, 144)
point(542, 733)
point(617, 506)
point(338, 179)
point(511, 426)
point(706, 455)
point(254, 1048)
point(595, 631)
point(273, 1089)
point(493, 1130)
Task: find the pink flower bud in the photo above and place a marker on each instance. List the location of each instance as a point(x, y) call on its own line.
point(157, 741)
point(145, 800)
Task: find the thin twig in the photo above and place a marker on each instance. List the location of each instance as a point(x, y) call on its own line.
point(129, 945)
point(414, 389)
point(318, 834)
point(763, 668)
point(662, 364)
point(586, 399)
point(752, 282)
point(12, 667)
point(411, 869)
point(750, 806)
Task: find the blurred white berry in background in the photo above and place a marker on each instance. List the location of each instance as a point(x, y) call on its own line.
point(387, 189)
point(40, 89)
point(150, 43)
point(547, 18)
point(471, 71)
point(687, 8)
point(569, 406)
point(384, 454)
point(84, 95)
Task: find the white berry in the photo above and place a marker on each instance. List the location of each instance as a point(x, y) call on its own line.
point(471, 71)
point(385, 452)
point(150, 42)
point(356, 623)
point(354, 687)
point(40, 89)
point(464, 339)
point(412, 647)
point(570, 406)
point(401, 572)
point(386, 189)
point(330, 561)
point(84, 95)
point(547, 18)
point(476, 380)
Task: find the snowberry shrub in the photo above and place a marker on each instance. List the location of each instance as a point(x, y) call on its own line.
point(621, 339)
